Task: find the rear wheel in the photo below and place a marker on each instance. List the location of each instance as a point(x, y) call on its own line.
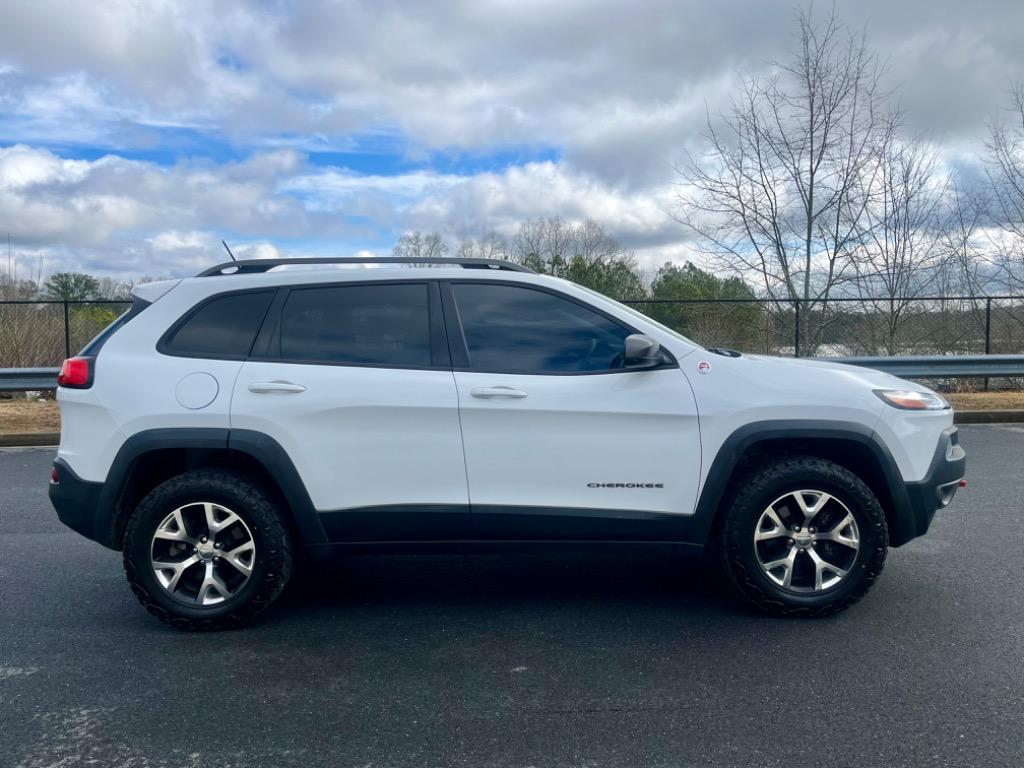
point(802, 536)
point(207, 550)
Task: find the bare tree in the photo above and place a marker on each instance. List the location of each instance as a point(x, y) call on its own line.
point(1006, 173)
point(112, 288)
point(963, 271)
point(490, 246)
point(583, 252)
point(548, 245)
point(901, 238)
point(966, 272)
point(782, 196)
point(419, 246)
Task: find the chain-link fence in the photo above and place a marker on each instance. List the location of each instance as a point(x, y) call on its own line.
point(849, 327)
point(43, 333)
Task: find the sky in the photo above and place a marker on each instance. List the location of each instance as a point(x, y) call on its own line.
point(134, 136)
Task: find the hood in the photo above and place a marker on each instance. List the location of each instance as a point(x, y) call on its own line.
point(853, 373)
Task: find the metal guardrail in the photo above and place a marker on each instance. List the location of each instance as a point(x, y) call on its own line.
point(28, 379)
point(910, 367)
point(941, 366)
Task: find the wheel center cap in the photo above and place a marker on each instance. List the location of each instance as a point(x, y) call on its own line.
point(205, 550)
point(803, 539)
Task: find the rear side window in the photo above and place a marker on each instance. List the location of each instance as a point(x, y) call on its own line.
point(358, 324)
point(223, 327)
point(508, 328)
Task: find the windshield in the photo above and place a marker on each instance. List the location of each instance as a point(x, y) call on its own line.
point(641, 315)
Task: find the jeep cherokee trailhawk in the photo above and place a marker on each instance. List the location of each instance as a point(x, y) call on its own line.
point(229, 419)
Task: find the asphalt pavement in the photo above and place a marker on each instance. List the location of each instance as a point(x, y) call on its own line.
point(611, 659)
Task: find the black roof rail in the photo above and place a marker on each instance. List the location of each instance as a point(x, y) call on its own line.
point(255, 266)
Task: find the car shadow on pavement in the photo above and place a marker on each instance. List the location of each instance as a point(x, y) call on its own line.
point(626, 576)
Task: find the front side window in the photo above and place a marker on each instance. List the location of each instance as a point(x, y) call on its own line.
point(386, 324)
point(224, 327)
point(510, 328)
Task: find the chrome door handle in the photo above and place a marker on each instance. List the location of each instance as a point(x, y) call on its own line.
point(261, 387)
point(488, 392)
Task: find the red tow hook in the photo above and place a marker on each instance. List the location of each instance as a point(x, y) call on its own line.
point(963, 483)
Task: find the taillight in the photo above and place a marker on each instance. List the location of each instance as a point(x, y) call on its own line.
point(76, 373)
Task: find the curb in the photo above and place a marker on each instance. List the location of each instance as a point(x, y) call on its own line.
point(25, 439)
point(51, 439)
point(1015, 416)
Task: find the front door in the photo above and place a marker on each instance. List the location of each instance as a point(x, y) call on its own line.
point(561, 442)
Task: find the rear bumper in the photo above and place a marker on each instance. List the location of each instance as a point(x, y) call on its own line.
point(936, 490)
point(79, 505)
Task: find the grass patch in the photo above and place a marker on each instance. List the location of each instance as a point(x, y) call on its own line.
point(21, 414)
point(985, 401)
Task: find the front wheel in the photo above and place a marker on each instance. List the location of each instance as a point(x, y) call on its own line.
point(802, 536)
point(207, 550)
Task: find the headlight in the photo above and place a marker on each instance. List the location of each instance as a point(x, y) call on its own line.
point(910, 400)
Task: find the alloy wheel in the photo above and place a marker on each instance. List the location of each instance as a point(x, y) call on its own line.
point(202, 554)
point(806, 541)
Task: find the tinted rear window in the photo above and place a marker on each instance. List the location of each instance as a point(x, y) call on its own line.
point(358, 324)
point(225, 327)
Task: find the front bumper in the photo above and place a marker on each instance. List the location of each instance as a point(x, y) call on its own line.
point(940, 484)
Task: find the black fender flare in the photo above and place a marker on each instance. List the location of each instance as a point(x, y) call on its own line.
point(261, 448)
point(269, 453)
point(902, 526)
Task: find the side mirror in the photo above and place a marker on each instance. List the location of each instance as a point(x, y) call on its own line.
point(641, 352)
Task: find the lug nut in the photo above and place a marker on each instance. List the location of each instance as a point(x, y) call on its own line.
point(203, 539)
point(796, 528)
point(811, 530)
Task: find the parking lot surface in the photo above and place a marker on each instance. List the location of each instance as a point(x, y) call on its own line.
point(610, 659)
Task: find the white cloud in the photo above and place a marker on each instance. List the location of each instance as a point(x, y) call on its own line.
point(46, 199)
point(615, 90)
point(134, 209)
point(22, 167)
point(173, 240)
point(338, 189)
point(465, 74)
point(501, 200)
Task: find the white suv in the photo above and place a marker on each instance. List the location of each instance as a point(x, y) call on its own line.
point(231, 418)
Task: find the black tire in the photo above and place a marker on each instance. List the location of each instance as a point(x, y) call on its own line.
point(755, 488)
point(271, 567)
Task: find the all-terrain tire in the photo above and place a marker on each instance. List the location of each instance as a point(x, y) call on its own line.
point(271, 567)
point(761, 483)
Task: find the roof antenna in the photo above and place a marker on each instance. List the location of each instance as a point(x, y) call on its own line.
point(226, 248)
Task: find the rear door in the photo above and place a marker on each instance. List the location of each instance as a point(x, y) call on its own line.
point(561, 442)
point(354, 381)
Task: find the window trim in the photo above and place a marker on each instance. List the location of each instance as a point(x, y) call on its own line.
point(267, 347)
point(462, 362)
point(163, 344)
